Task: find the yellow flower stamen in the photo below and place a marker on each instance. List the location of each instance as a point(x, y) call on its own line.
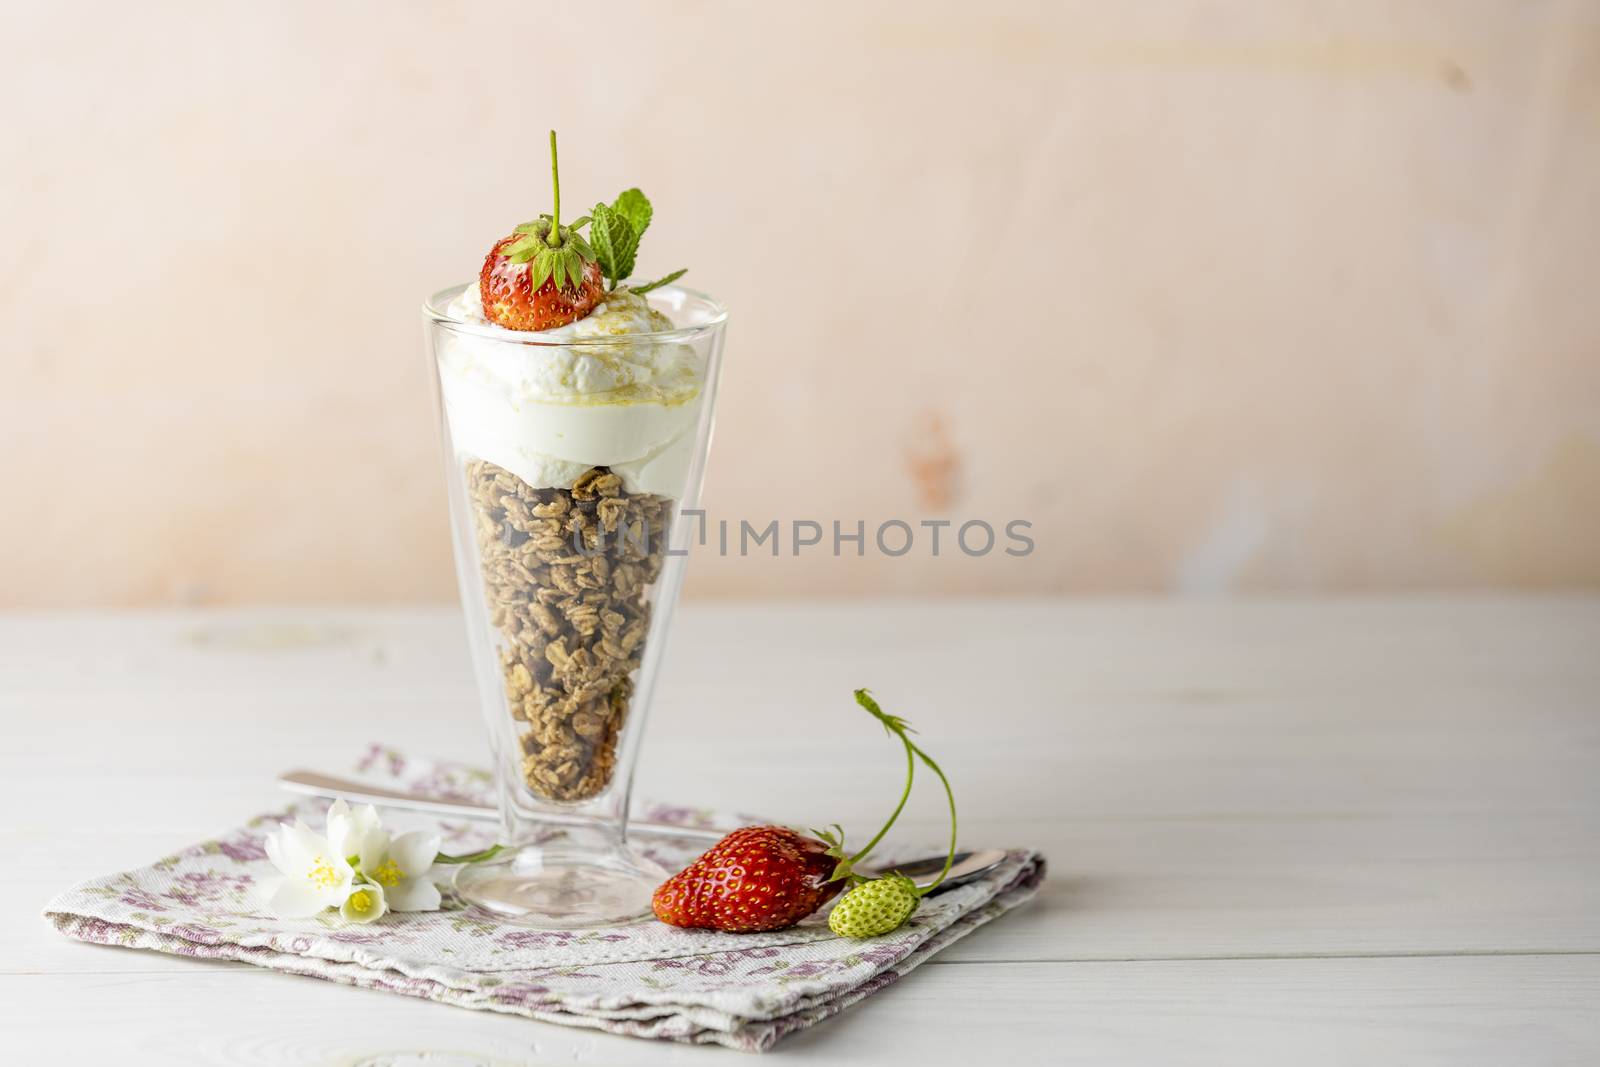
point(321, 873)
point(361, 900)
point(389, 874)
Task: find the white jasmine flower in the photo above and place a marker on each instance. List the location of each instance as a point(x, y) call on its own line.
point(356, 867)
point(315, 875)
point(349, 827)
point(401, 865)
point(364, 903)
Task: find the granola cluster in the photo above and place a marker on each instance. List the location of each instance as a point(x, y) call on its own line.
point(572, 621)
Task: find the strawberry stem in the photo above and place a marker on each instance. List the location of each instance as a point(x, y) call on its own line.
point(950, 795)
point(911, 770)
point(554, 239)
point(901, 729)
point(470, 857)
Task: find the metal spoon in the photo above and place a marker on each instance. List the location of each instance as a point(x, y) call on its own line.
point(967, 866)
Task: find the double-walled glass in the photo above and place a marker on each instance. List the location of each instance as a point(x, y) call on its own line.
point(569, 464)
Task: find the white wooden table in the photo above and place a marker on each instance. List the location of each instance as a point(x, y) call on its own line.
point(1354, 831)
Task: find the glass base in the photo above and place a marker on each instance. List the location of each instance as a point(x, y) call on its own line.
point(559, 886)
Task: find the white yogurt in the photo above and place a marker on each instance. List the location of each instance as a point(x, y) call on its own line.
point(547, 414)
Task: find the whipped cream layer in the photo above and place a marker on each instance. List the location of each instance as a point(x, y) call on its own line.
point(547, 414)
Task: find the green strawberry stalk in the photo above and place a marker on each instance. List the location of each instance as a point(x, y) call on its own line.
point(556, 236)
point(879, 905)
point(556, 251)
point(471, 857)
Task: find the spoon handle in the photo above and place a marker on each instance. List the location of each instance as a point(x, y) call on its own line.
point(318, 784)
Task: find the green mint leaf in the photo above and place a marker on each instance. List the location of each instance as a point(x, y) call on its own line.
point(625, 250)
point(614, 242)
point(600, 238)
point(634, 206)
point(659, 282)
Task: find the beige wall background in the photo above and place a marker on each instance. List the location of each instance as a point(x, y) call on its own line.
point(1226, 296)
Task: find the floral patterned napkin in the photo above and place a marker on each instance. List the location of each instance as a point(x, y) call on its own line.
point(646, 980)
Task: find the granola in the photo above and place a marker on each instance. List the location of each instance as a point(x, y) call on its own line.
point(567, 574)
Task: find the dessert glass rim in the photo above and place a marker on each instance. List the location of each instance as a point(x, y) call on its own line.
point(435, 309)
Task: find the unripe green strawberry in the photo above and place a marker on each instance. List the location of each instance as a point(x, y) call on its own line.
point(875, 907)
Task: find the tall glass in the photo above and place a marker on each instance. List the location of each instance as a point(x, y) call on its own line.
point(569, 464)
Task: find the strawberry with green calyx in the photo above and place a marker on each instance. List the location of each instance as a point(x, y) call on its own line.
point(880, 905)
point(545, 275)
point(771, 877)
point(755, 878)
